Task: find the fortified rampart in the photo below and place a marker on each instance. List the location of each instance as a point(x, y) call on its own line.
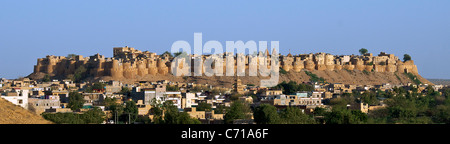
point(128, 63)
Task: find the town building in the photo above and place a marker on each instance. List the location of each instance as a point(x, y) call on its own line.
point(17, 97)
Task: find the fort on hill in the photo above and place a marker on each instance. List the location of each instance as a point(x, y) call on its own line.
point(130, 64)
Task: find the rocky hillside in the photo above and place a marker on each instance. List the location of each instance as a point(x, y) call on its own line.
point(338, 76)
point(12, 114)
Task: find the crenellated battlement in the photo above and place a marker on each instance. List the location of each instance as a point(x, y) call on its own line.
point(128, 62)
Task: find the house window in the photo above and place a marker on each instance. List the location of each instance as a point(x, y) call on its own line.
point(20, 101)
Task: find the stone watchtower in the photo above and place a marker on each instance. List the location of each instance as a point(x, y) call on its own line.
point(287, 62)
point(238, 87)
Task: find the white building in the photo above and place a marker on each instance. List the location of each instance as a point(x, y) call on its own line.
point(17, 97)
point(175, 97)
point(39, 105)
point(190, 100)
point(317, 94)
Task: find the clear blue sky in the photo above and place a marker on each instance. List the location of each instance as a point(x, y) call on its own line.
point(33, 29)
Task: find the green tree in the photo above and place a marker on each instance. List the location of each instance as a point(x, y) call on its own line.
point(293, 115)
point(170, 112)
point(71, 56)
point(413, 78)
point(238, 110)
point(406, 57)
point(172, 116)
point(116, 110)
point(177, 54)
point(157, 111)
point(64, 118)
point(378, 116)
point(359, 117)
point(430, 91)
point(203, 106)
point(381, 94)
point(220, 109)
point(446, 92)
point(341, 103)
point(292, 87)
point(411, 109)
point(314, 77)
point(131, 111)
point(363, 51)
point(94, 116)
point(96, 86)
point(370, 98)
point(108, 102)
point(172, 88)
point(282, 71)
point(318, 111)
point(168, 53)
point(344, 116)
point(76, 101)
point(266, 114)
point(46, 78)
point(79, 74)
point(125, 91)
point(235, 96)
point(185, 118)
point(443, 114)
point(399, 91)
point(401, 108)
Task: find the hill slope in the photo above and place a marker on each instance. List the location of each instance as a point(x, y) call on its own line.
point(12, 114)
point(338, 76)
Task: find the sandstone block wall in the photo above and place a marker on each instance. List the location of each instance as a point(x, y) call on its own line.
point(130, 63)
